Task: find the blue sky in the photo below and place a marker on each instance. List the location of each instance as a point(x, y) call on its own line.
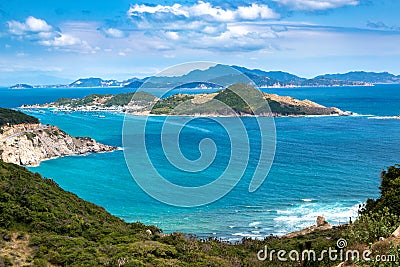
point(60, 41)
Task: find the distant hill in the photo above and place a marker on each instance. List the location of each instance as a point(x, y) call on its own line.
point(21, 86)
point(361, 76)
point(273, 76)
point(223, 75)
point(198, 85)
point(95, 82)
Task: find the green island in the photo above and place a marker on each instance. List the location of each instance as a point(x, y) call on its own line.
point(43, 225)
point(237, 99)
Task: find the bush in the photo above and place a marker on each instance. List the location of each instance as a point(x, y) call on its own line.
point(369, 227)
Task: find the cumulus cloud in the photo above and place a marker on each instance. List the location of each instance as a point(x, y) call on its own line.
point(30, 25)
point(39, 31)
point(203, 25)
point(204, 11)
point(62, 40)
point(113, 33)
point(314, 5)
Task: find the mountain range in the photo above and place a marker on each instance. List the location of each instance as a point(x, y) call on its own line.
point(207, 79)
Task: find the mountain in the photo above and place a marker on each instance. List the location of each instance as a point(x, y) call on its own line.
point(224, 75)
point(133, 84)
point(21, 86)
point(278, 76)
point(95, 82)
point(198, 85)
point(362, 76)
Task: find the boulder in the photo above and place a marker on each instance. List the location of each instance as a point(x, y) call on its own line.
point(397, 232)
point(321, 221)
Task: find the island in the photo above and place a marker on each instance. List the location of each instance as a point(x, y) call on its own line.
point(21, 86)
point(25, 141)
point(207, 104)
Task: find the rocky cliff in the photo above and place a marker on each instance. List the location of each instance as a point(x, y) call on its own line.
point(29, 144)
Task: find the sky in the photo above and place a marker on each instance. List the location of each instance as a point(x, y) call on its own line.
point(49, 42)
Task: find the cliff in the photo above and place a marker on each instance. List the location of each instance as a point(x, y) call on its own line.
point(30, 143)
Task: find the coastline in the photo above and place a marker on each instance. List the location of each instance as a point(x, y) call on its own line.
point(55, 109)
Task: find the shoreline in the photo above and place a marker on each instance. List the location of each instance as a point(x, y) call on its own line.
point(54, 109)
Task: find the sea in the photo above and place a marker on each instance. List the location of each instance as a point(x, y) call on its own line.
point(323, 166)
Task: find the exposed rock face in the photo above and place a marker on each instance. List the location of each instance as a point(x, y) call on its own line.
point(396, 233)
point(322, 224)
point(321, 221)
point(29, 144)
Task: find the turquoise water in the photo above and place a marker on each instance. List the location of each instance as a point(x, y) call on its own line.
point(323, 165)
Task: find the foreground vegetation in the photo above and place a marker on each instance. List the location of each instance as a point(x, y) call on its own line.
point(42, 225)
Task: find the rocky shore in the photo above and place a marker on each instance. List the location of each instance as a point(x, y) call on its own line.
point(29, 144)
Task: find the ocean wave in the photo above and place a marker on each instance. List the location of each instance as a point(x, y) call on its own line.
point(254, 224)
point(384, 118)
point(304, 215)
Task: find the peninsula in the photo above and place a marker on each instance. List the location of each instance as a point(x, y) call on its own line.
point(25, 141)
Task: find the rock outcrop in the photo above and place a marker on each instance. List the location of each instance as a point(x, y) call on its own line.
point(29, 144)
point(396, 233)
point(322, 224)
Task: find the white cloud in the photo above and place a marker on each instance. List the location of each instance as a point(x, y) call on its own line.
point(31, 25)
point(62, 40)
point(204, 11)
point(172, 35)
point(39, 31)
point(37, 25)
point(317, 4)
point(202, 25)
point(113, 33)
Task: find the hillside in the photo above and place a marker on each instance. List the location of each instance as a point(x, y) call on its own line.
point(11, 117)
point(42, 225)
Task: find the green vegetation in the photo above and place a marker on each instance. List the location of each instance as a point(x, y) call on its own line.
point(241, 98)
point(140, 98)
point(379, 218)
point(166, 106)
point(235, 95)
point(78, 102)
point(56, 227)
point(390, 197)
point(12, 117)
